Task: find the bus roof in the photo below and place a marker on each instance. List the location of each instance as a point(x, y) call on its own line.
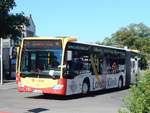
point(103, 46)
point(74, 40)
point(41, 38)
point(46, 38)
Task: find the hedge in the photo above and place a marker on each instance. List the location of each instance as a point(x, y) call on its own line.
point(138, 100)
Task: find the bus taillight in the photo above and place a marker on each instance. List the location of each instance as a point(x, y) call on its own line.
point(17, 77)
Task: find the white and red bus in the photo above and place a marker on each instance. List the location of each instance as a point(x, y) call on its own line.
point(64, 66)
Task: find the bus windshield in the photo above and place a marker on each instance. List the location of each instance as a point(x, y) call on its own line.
point(41, 61)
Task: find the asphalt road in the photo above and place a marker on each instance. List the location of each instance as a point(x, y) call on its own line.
point(98, 102)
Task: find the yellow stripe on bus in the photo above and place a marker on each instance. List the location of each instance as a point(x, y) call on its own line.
point(38, 83)
point(94, 67)
point(48, 57)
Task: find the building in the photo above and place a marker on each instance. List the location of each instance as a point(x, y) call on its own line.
point(30, 30)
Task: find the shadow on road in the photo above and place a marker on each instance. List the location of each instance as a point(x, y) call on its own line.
point(70, 97)
point(37, 110)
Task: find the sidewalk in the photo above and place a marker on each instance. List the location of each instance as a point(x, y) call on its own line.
point(8, 85)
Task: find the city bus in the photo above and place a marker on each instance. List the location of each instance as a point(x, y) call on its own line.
point(64, 66)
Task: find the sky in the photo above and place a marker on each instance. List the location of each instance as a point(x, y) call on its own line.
point(87, 20)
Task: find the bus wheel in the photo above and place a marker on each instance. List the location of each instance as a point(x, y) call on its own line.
point(85, 88)
point(120, 83)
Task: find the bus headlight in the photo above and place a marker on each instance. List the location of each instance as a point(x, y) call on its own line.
point(58, 86)
point(20, 84)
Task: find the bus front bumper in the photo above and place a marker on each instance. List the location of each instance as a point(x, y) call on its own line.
point(58, 89)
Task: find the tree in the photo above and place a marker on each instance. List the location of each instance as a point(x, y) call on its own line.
point(11, 25)
point(129, 35)
point(107, 41)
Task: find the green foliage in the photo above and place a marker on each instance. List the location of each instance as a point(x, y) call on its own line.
point(11, 24)
point(138, 100)
point(134, 36)
point(108, 41)
point(6, 6)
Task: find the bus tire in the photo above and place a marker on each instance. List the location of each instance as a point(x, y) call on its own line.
point(85, 87)
point(120, 83)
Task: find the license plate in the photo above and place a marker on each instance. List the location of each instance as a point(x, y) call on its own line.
point(36, 91)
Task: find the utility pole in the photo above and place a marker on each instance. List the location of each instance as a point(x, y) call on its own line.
point(1, 63)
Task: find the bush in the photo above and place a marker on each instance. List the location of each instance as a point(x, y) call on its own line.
point(138, 100)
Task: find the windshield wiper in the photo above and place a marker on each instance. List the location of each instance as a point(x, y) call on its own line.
point(28, 74)
point(38, 75)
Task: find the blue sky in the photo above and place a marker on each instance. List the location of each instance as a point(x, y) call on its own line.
point(88, 20)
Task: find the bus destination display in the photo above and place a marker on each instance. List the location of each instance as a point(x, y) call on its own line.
point(42, 43)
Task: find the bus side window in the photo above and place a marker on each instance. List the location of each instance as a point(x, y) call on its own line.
point(100, 65)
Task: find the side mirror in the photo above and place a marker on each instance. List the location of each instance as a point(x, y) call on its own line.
point(69, 55)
